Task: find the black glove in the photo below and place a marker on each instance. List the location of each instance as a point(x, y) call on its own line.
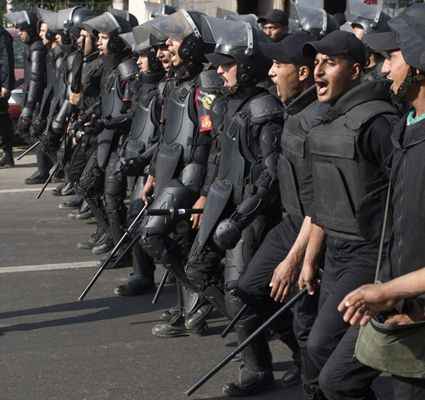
point(50, 142)
point(22, 128)
point(228, 233)
point(37, 128)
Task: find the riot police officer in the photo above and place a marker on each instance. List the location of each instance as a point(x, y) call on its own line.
point(178, 168)
point(34, 74)
point(349, 148)
point(239, 206)
point(99, 175)
point(7, 84)
point(139, 147)
point(274, 268)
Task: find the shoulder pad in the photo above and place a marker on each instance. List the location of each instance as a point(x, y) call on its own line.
point(210, 81)
point(360, 115)
point(70, 59)
point(37, 46)
point(265, 107)
point(128, 69)
point(311, 115)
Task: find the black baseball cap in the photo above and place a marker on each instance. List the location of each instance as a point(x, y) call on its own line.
point(338, 43)
point(382, 42)
point(289, 50)
point(275, 17)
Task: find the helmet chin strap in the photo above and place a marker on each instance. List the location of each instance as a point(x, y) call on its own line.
point(409, 82)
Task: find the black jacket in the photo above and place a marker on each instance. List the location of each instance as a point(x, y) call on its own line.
point(34, 76)
point(7, 60)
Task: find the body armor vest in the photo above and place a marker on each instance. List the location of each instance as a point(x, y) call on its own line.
point(342, 177)
point(111, 96)
point(293, 164)
point(180, 130)
point(142, 129)
point(239, 165)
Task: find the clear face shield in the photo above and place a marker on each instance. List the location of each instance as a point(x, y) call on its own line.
point(176, 26)
point(364, 9)
point(146, 36)
point(18, 18)
point(309, 19)
point(230, 38)
point(105, 22)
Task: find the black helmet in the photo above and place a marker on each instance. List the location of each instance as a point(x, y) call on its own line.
point(26, 20)
point(315, 21)
point(187, 27)
point(367, 15)
point(238, 43)
point(129, 17)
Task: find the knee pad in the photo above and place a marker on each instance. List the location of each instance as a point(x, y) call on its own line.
point(155, 246)
point(233, 302)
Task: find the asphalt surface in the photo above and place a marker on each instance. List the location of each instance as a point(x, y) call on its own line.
point(56, 348)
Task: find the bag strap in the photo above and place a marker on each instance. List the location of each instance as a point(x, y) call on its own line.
point(384, 228)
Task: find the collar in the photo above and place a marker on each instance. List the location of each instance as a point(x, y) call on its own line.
point(361, 93)
point(414, 119)
point(300, 102)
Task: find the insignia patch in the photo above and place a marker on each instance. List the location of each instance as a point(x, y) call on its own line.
point(206, 123)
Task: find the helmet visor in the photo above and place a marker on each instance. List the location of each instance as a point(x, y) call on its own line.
point(176, 26)
point(366, 9)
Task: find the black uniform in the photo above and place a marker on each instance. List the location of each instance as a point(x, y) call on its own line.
point(245, 191)
point(7, 81)
point(348, 149)
point(295, 182)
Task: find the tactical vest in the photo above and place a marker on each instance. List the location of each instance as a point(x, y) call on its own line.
point(142, 128)
point(294, 169)
point(238, 164)
point(180, 130)
point(111, 96)
point(341, 175)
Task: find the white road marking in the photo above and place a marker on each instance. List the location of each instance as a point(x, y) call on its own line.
point(36, 189)
point(48, 267)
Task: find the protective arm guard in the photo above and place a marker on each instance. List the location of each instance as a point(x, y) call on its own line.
point(58, 124)
point(35, 87)
point(229, 231)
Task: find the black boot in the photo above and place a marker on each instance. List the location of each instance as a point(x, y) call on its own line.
point(96, 238)
point(256, 372)
point(7, 160)
point(141, 280)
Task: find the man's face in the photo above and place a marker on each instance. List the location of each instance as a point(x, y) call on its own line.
point(274, 31)
point(395, 69)
point(165, 57)
point(333, 76)
point(85, 39)
point(285, 77)
point(102, 43)
point(24, 36)
point(43, 33)
point(143, 63)
point(229, 74)
point(173, 46)
point(359, 32)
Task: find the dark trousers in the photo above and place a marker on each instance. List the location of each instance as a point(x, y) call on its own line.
point(255, 291)
point(343, 377)
point(348, 265)
point(6, 132)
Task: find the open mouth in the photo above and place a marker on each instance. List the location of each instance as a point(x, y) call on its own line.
point(321, 87)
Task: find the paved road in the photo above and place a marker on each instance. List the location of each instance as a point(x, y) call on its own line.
point(55, 348)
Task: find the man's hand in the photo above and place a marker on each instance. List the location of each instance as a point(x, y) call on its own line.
point(74, 98)
point(284, 276)
point(196, 218)
point(362, 304)
point(308, 278)
point(148, 189)
point(4, 92)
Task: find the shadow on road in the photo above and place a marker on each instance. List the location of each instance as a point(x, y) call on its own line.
point(101, 309)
